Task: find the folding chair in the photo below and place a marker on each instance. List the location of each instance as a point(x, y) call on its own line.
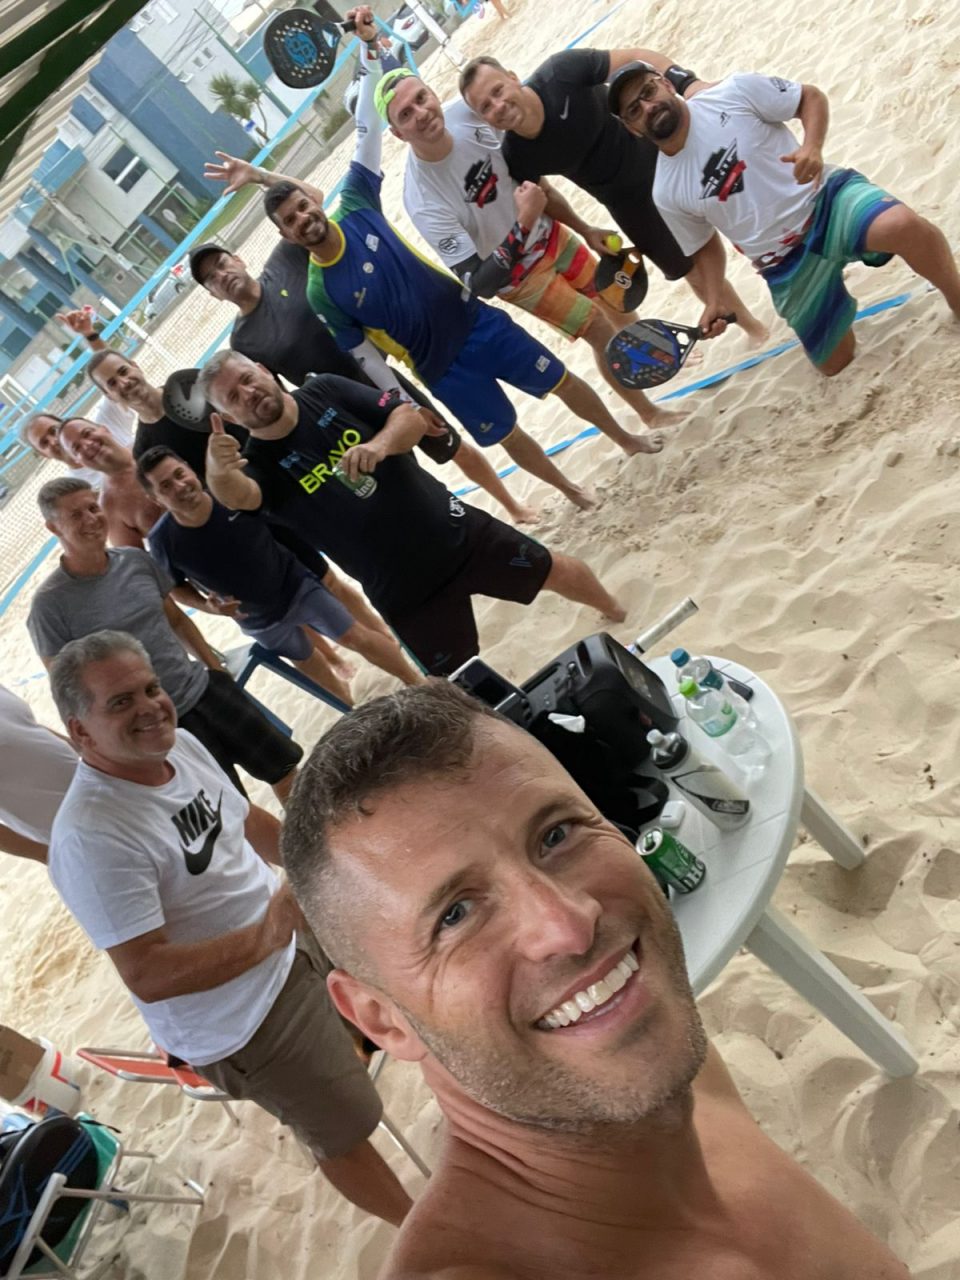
point(154, 1067)
point(55, 1177)
point(151, 1066)
point(243, 661)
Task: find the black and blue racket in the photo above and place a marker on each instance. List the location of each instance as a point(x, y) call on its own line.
point(651, 352)
point(301, 47)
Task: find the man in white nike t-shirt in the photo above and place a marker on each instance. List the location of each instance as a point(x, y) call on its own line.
point(149, 852)
point(517, 241)
point(729, 163)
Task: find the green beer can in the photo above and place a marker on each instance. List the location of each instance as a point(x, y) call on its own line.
point(671, 861)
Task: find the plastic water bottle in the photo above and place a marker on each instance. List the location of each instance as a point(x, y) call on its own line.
point(704, 785)
point(716, 717)
point(708, 677)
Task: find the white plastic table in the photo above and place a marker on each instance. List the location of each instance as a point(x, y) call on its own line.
point(731, 908)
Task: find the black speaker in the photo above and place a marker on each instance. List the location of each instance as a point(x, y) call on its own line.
point(619, 697)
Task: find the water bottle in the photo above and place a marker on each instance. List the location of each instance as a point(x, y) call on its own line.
point(708, 677)
point(716, 717)
point(704, 785)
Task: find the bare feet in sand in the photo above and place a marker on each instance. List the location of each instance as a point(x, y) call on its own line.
point(520, 513)
point(652, 442)
point(583, 498)
point(757, 334)
point(617, 614)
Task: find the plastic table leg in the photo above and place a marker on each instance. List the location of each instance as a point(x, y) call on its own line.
point(787, 952)
point(829, 832)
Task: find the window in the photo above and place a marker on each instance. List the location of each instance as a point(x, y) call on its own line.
point(160, 9)
point(124, 168)
point(48, 305)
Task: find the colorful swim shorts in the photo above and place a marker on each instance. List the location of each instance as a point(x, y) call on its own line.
point(559, 288)
point(807, 286)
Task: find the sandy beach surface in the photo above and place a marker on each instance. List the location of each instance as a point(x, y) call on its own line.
point(816, 524)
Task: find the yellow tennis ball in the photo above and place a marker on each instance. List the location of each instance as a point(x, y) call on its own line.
point(613, 242)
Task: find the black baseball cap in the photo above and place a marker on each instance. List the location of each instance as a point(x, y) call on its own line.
point(620, 79)
point(200, 252)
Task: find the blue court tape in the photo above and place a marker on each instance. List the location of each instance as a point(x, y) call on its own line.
point(24, 576)
point(599, 23)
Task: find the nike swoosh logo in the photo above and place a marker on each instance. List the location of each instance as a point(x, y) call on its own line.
point(198, 862)
point(566, 108)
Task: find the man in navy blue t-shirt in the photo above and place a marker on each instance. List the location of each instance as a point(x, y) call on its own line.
point(233, 557)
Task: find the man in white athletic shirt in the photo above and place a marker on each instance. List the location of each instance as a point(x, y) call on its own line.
point(517, 241)
point(150, 852)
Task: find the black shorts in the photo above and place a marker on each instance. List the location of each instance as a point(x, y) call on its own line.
point(502, 562)
point(439, 449)
point(632, 208)
point(236, 732)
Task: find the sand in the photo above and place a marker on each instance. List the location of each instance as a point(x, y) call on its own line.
point(816, 525)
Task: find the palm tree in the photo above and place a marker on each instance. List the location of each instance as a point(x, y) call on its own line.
point(239, 98)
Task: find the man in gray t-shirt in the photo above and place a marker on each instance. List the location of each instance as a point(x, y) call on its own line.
point(123, 588)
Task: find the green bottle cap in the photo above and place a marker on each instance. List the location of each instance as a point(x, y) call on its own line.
point(689, 688)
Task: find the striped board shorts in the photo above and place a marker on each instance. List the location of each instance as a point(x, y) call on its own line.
point(807, 286)
point(559, 288)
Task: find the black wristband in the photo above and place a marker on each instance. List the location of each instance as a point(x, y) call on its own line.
point(680, 78)
point(93, 337)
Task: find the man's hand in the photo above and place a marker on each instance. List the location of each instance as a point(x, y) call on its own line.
point(712, 322)
point(435, 425)
point(223, 451)
point(282, 920)
point(530, 200)
point(79, 321)
point(361, 460)
point(600, 240)
point(807, 163)
point(362, 15)
point(223, 606)
point(235, 173)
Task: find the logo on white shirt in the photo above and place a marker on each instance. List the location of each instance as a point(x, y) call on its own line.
point(196, 819)
point(722, 175)
point(480, 184)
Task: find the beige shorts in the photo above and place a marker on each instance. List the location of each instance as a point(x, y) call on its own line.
point(300, 1065)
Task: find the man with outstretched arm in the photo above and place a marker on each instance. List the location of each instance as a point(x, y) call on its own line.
point(156, 856)
point(486, 921)
point(728, 163)
point(366, 282)
point(557, 122)
point(333, 460)
point(514, 241)
point(277, 327)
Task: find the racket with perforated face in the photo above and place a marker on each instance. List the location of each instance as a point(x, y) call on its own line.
point(301, 47)
point(184, 404)
point(651, 352)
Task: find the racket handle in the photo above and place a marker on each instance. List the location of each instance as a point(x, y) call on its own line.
point(730, 317)
point(347, 26)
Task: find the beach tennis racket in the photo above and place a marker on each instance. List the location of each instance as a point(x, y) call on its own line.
point(184, 404)
point(301, 47)
point(621, 278)
point(650, 352)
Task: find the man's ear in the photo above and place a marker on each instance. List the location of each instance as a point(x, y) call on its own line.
point(52, 527)
point(78, 734)
point(375, 1015)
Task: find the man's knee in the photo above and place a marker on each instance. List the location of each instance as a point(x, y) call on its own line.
point(842, 354)
point(896, 228)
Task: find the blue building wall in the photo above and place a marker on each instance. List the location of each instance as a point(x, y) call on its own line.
point(137, 83)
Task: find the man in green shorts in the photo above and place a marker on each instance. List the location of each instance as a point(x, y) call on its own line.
point(729, 163)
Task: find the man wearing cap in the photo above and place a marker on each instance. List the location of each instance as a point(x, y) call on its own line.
point(729, 163)
point(279, 329)
point(461, 198)
point(558, 122)
point(365, 281)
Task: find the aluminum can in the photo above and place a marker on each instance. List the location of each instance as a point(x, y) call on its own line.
point(671, 861)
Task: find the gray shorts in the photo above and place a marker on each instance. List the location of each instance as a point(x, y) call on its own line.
point(312, 606)
point(300, 1065)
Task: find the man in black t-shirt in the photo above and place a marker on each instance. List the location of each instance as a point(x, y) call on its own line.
point(558, 122)
point(124, 382)
point(278, 328)
point(333, 461)
point(234, 557)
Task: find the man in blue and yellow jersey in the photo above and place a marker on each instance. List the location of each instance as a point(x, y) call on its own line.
point(367, 283)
